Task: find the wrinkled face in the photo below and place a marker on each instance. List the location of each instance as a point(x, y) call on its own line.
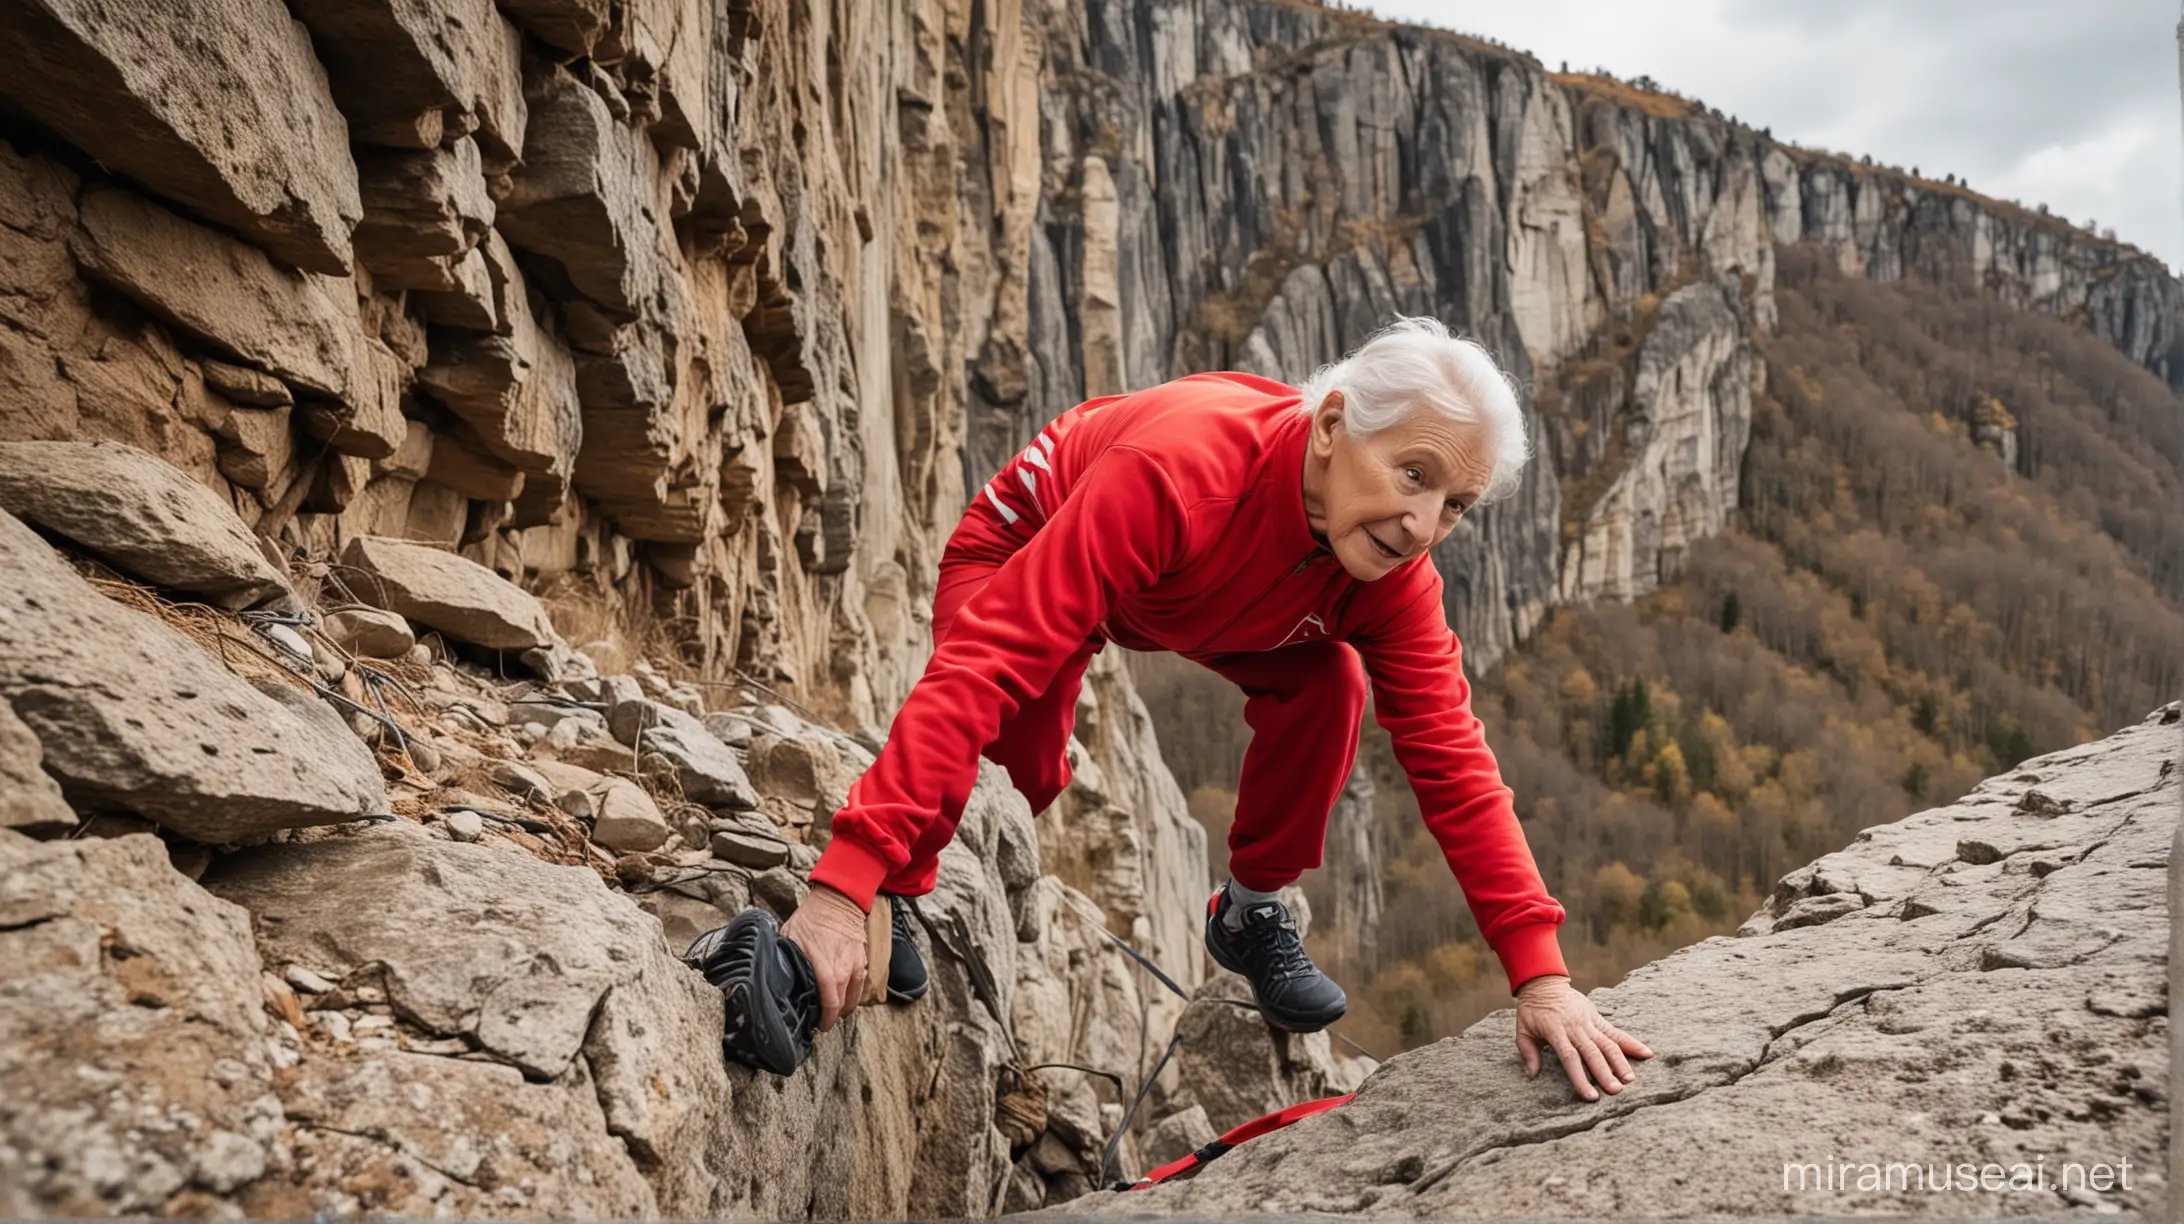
point(1392, 496)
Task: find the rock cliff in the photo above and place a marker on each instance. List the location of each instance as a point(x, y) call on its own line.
point(385, 387)
point(1984, 982)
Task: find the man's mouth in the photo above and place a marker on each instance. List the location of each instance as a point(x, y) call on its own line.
point(1383, 549)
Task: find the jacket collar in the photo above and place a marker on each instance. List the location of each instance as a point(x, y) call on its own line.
point(1283, 476)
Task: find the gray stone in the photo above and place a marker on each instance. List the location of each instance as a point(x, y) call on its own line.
point(369, 633)
point(28, 795)
point(1178, 1135)
point(748, 848)
point(730, 729)
point(628, 821)
point(221, 107)
point(465, 825)
point(579, 805)
point(678, 747)
point(779, 890)
point(446, 592)
point(522, 781)
point(135, 512)
point(148, 722)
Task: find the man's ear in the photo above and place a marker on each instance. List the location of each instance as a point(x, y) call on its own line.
point(1327, 421)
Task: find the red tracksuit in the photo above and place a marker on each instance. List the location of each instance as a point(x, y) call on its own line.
point(1173, 519)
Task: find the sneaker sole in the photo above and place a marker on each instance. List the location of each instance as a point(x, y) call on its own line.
point(1310, 1022)
point(903, 996)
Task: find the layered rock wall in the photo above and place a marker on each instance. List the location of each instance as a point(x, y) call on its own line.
point(709, 314)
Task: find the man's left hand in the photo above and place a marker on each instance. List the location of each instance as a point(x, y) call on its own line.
point(1553, 1016)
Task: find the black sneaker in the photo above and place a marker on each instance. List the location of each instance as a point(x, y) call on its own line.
point(907, 981)
point(1291, 991)
point(770, 991)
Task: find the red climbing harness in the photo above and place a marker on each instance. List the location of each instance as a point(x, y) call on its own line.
point(1189, 1165)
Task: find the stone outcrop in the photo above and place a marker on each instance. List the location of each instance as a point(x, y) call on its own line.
point(131, 714)
point(1980, 982)
point(224, 110)
point(141, 515)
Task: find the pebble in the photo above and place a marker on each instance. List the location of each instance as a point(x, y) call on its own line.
point(305, 980)
point(424, 755)
point(465, 826)
point(579, 804)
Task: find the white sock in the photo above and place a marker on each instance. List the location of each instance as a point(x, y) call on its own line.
point(1240, 898)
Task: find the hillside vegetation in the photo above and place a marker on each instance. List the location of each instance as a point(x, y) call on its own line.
point(1958, 547)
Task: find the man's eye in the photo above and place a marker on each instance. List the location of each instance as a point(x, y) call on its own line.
point(1415, 474)
point(1455, 508)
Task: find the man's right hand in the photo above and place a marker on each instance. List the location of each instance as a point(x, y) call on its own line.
point(830, 929)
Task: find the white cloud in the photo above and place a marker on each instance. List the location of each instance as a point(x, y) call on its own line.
point(2076, 109)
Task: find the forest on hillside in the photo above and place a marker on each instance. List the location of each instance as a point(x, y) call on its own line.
point(1958, 547)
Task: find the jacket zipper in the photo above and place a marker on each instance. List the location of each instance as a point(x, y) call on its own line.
point(1294, 570)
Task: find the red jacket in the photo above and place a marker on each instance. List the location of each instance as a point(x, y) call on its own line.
point(1173, 519)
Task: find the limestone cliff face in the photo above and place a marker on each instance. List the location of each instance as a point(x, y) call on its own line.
point(713, 312)
point(696, 320)
point(1258, 186)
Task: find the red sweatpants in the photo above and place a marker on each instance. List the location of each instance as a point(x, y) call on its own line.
point(1303, 703)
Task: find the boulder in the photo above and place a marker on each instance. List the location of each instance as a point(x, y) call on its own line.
point(297, 326)
point(28, 795)
point(222, 107)
point(628, 820)
point(677, 745)
point(443, 591)
point(133, 1035)
point(133, 715)
point(141, 516)
point(369, 633)
point(1178, 1135)
point(1236, 1067)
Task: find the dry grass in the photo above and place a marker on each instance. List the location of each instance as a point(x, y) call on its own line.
point(1624, 94)
point(221, 634)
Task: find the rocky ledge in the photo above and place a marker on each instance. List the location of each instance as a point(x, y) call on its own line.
point(1983, 982)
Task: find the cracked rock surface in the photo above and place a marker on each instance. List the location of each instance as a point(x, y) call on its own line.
point(1979, 982)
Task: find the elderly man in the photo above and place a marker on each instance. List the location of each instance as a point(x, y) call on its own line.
point(1277, 537)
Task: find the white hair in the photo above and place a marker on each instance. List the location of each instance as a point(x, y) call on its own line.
point(1414, 363)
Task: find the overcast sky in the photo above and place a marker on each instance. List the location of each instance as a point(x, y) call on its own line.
point(2071, 103)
